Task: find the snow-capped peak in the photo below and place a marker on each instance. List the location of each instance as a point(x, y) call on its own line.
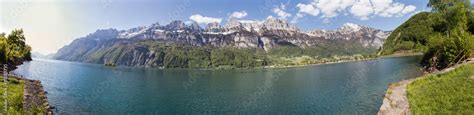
point(351, 26)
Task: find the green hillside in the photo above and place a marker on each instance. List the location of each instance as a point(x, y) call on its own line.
point(184, 56)
point(411, 36)
point(444, 35)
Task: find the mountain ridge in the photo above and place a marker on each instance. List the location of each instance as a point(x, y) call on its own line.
point(265, 35)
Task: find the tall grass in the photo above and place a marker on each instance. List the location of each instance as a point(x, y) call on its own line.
point(15, 96)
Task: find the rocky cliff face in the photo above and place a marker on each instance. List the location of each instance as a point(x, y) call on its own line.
point(368, 37)
point(128, 44)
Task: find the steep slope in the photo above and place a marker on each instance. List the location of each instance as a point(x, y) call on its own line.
point(411, 36)
point(240, 43)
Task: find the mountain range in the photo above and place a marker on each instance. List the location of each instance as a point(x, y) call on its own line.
point(146, 46)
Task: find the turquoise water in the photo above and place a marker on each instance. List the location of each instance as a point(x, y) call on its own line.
point(344, 88)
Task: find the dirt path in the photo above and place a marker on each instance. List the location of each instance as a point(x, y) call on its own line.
point(34, 98)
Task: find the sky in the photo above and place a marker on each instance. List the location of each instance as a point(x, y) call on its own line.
point(51, 24)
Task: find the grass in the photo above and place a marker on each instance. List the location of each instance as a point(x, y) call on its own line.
point(15, 95)
point(449, 93)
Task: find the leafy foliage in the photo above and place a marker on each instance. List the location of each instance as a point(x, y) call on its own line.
point(445, 34)
point(444, 5)
point(13, 49)
point(453, 43)
point(172, 55)
point(411, 36)
point(159, 54)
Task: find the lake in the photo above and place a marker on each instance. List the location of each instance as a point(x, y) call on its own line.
point(343, 88)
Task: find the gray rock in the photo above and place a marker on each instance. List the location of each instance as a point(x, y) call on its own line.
point(268, 34)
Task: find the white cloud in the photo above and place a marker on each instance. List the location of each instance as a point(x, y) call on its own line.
point(329, 8)
point(204, 20)
point(240, 14)
point(381, 5)
point(387, 8)
point(408, 9)
point(280, 11)
point(304, 9)
point(393, 10)
point(345, 4)
point(307, 9)
point(362, 9)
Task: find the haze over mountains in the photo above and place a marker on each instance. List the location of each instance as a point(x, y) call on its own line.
point(267, 35)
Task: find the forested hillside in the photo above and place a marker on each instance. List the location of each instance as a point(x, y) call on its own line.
point(411, 36)
point(444, 35)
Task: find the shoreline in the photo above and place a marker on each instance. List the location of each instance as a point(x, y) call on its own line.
point(263, 67)
point(34, 97)
point(346, 61)
point(395, 99)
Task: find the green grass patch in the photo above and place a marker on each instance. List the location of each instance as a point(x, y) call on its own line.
point(15, 95)
point(449, 93)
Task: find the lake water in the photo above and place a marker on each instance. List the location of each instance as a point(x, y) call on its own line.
point(344, 88)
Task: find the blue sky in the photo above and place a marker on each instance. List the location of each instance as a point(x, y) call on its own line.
point(125, 14)
point(51, 24)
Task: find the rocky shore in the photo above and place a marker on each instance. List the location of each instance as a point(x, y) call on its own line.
point(395, 101)
point(34, 98)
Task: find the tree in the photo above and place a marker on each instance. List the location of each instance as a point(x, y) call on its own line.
point(17, 37)
point(454, 43)
point(443, 5)
point(3, 50)
point(13, 49)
